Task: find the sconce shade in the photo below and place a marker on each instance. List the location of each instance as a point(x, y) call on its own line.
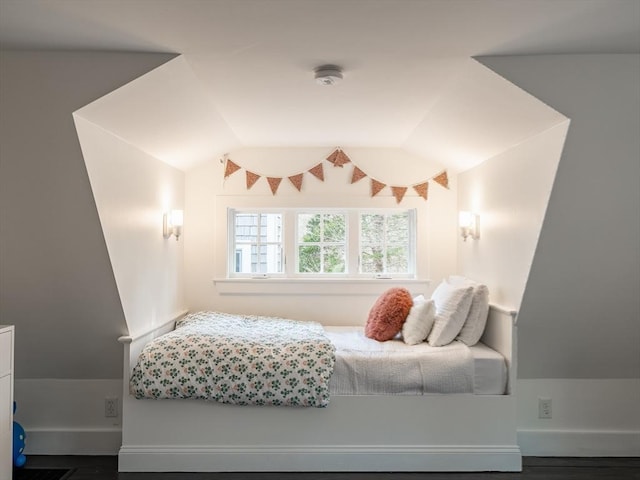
point(177, 218)
point(469, 225)
point(465, 219)
point(172, 224)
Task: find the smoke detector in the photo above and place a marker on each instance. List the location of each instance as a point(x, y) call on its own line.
point(328, 75)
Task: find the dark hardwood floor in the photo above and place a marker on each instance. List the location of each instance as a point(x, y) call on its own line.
point(535, 468)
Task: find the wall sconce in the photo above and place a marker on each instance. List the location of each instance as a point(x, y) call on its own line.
point(172, 224)
point(469, 225)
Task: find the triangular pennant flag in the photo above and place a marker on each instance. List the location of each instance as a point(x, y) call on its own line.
point(274, 183)
point(318, 172)
point(398, 192)
point(230, 168)
point(297, 181)
point(442, 179)
point(251, 179)
point(376, 186)
point(341, 159)
point(332, 158)
point(422, 189)
point(357, 174)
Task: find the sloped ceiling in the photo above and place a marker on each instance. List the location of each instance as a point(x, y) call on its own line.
point(245, 77)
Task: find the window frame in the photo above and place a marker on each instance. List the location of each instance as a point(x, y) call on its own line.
point(411, 253)
point(232, 246)
point(290, 242)
point(297, 243)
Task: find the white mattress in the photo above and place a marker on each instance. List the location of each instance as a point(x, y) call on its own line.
point(405, 365)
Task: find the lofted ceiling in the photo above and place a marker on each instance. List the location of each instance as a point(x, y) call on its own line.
point(245, 74)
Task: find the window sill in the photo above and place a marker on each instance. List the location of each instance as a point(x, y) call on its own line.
point(317, 286)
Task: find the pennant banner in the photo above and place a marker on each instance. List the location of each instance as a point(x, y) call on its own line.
point(398, 192)
point(341, 159)
point(230, 168)
point(338, 158)
point(422, 189)
point(318, 172)
point(274, 183)
point(442, 179)
point(251, 179)
point(332, 158)
point(376, 187)
point(297, 181)
point(357, 175)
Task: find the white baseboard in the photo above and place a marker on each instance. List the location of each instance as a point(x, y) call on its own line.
point(341, 458)
point(577, 443)
point(590, 417)
point(73, 442)
point(67, 416)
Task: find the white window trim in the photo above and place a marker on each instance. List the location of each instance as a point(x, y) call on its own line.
point(348, 286)
point(294, 273)
point(412, 241)
point(231, 252)
point(290, 243)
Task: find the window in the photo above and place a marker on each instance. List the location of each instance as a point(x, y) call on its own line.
point(324, 243)
point(257, 243)
point(386, 243)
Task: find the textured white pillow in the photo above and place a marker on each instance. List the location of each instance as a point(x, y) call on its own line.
point(473, 327)
point(419, 322)
point(452, 306)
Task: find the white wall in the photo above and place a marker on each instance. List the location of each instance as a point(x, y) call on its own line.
point(510, 193)
point(207, 198)
point(579, 321)
point(132, 190)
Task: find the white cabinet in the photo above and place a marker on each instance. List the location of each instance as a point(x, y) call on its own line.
point(6, 401)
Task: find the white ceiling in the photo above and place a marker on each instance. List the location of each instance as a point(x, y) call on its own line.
point(246, 77)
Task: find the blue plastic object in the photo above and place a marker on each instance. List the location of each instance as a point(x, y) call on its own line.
point(19, 441)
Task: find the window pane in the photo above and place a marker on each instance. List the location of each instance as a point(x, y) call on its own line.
point(246, 227)
point(372, 259)
point(273, 259)
point(258, 242)
point(309, 227)
point(264, 259)
point(334, 228)
point(372, 228)
point(271, 227)
point(397, 260)
point(309, 259)
point(334, 259)
point(384, 245)
point(255, 259)
point(398, 228)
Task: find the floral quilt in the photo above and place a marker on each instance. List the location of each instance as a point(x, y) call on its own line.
point(238, 359)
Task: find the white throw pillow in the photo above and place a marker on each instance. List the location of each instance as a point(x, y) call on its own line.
point(452, 306)
point(419, 322)
point(473, 327)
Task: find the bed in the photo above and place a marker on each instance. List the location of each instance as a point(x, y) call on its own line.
point(360, 430)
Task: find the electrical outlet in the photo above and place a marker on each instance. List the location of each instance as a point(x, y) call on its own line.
point(544, 408)
point(110, 407)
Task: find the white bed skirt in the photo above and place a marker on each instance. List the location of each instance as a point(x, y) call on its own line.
point(456, 432)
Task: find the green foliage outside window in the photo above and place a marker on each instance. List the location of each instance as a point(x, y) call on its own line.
point(322, 239)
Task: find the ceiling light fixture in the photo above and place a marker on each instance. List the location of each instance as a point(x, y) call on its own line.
point(328, 74)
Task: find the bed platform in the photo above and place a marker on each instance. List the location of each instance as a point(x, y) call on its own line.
point(431, 432)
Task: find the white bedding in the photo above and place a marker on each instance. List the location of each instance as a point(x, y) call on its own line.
point(367, 367)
